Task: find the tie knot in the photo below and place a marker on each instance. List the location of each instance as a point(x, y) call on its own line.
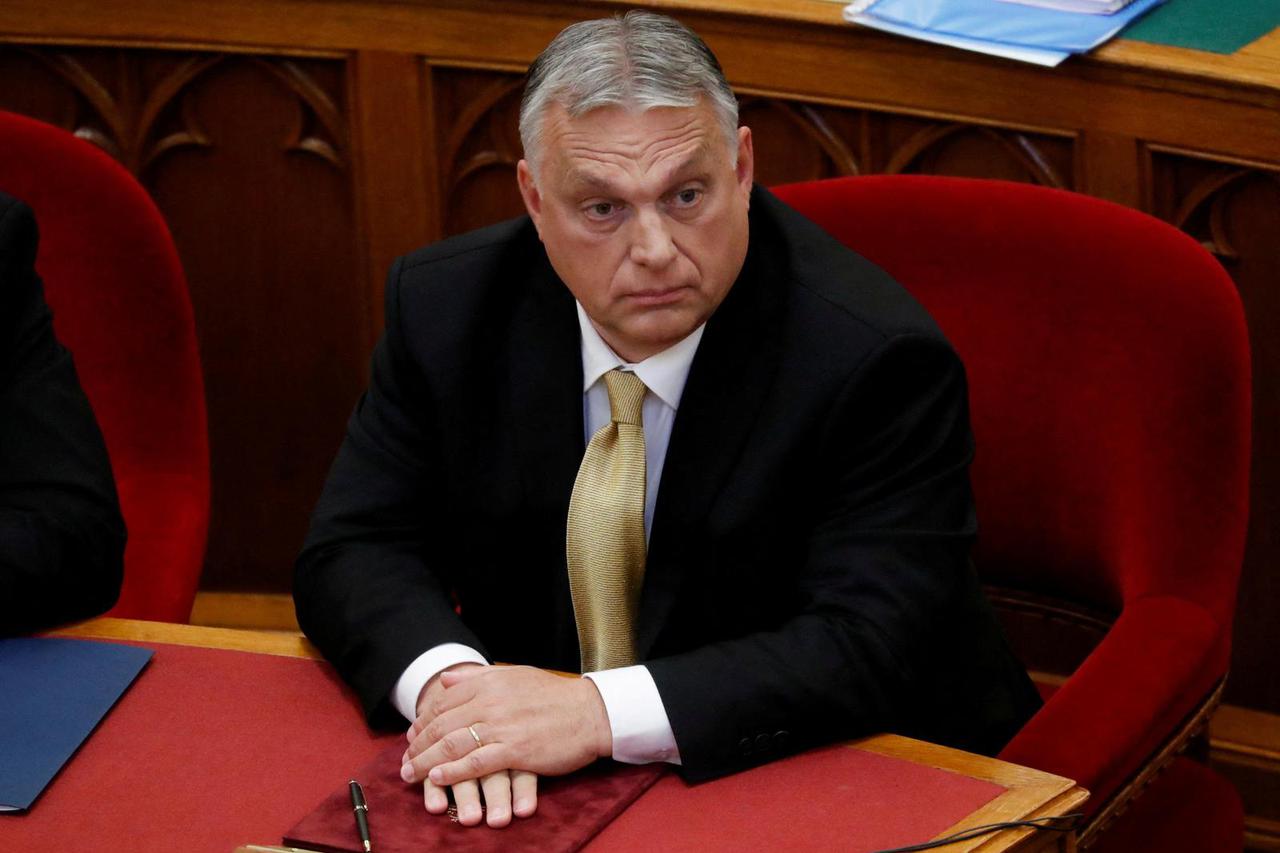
point(626, 396)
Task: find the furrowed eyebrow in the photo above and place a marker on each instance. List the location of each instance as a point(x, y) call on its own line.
point(692, 168)
point(702, 176)
point(582, 182)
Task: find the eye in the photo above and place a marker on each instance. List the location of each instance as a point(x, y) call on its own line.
point(687, 197)
point(600, 210)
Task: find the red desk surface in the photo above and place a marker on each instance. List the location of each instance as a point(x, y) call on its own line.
point(208, 750)
point(834, 798)
point(211, 749)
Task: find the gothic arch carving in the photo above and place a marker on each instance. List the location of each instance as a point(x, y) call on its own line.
point(486, 121)
point(814, 128)
point(1016, 146)
point(1213, 194)
point(126, 120)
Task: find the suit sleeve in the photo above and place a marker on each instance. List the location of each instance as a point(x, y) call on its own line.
point(883, 564)
point(369, 588)
point(61, 534)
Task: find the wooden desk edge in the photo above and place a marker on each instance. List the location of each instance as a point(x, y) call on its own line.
point(1028, 793)
point(236, 639)
point(152, 23)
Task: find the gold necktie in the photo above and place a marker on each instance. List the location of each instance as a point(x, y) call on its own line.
point(605, 543)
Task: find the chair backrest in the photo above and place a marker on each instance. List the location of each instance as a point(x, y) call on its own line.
point(120, 305)
point(1108, 366)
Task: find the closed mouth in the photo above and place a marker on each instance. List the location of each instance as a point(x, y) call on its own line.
point(657, 295)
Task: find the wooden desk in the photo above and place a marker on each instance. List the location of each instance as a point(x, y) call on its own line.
point(203, 809)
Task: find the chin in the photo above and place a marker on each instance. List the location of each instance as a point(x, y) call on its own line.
point(657, 337)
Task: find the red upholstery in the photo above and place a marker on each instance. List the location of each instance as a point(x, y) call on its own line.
point(1187, 808)
point(1109, 377)
point(121, 306)
point(1183, 789)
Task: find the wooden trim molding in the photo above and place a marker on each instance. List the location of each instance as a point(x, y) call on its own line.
point(1244, 746)
point(261, 642)
point(1246, 733)
point(263, 611)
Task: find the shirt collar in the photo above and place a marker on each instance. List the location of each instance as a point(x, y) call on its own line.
point(664, 373)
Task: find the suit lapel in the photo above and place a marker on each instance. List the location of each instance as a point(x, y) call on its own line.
point(730, 376)
point(546, 395)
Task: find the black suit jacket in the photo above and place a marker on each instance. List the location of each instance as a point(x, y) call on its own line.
point(61, 535)
point(807, 576)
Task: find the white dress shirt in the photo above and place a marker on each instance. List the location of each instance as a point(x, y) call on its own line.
point(637, 719)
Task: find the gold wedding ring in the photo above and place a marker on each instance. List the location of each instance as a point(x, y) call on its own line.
point(475, 737)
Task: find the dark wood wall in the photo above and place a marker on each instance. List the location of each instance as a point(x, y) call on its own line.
point(291, 175)
point(249, 159)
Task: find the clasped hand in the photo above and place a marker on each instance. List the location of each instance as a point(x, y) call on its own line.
point(493, 730)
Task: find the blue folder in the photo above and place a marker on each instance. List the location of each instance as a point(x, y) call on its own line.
point(53, 693)
point(1009, 23)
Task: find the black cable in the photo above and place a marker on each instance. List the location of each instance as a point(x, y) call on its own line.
point(1061, 823)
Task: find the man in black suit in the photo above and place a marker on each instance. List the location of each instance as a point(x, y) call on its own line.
point(61, 535)
point(783, 550)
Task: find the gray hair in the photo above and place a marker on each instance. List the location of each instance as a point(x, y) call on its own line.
point(639, 60)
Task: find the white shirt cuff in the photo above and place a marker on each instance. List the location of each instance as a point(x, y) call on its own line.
point(404, 696)
point(641, 731)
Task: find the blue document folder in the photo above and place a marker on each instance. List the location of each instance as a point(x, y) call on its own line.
point(53, 693)
point(1008, 23)
point(1038, 55)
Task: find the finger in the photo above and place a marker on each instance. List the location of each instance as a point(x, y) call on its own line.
point(455, 746)
point(450, 723)
point(449, 697)
point(416, 727)
point(474, 765)
point(452, 677)
point(435, 797)
point(466, 796)
point(497, 798)
point(524, 793)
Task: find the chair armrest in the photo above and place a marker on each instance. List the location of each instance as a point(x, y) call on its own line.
point(1155, 665)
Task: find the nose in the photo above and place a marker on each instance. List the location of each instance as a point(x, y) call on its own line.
point(651, 243)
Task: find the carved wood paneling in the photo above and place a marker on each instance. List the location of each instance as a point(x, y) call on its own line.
point(31, 84)
point(796, 141)
point(247, 158)
point(135, 106)
point(476, 114)
point(802, 142)
point(1234, 211)
point(477, 117)
point(907, 144)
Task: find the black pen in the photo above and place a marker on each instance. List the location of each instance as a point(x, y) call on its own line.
point(361, 809)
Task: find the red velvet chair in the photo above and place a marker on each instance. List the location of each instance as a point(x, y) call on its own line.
point(120, 304)
point(1109, 379)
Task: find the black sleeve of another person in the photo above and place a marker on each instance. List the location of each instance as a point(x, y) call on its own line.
point(61, 534)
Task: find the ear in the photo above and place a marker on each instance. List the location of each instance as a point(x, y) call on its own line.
point(529, 193)
point(746, 167)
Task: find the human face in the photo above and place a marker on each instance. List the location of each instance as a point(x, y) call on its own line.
point(643, 215)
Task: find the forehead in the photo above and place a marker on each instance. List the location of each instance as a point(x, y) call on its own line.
point(603, 142)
